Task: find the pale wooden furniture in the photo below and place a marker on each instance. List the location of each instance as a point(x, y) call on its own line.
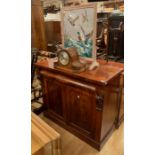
point(44, 139)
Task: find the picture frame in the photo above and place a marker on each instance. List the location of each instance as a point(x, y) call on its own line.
point(78, 29)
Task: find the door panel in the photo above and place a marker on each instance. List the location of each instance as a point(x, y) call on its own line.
point(54, 97)
point(80, 108)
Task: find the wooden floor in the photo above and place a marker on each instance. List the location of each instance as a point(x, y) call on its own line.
point(71, 145)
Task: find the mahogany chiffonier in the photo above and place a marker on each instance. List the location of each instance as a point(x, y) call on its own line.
point(84, 103)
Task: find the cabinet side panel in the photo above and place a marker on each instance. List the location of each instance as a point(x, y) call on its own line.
point(121, 103)
point(111, 94)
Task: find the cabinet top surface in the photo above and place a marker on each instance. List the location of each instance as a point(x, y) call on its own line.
point(101, 75)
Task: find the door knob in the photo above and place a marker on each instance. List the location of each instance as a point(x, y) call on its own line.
point(78, 96)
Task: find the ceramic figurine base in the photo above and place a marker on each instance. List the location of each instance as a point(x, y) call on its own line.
point(94, 65)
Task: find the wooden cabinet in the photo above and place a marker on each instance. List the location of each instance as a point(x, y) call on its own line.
point(38, 38)
point(85, 103)
point(53, 31)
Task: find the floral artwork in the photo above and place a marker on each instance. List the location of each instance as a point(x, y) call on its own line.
point(79, 29)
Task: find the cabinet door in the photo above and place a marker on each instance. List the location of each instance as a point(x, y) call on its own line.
point(54, 97)
point(80, 109)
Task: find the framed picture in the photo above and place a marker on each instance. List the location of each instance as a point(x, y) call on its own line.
point(78, 27)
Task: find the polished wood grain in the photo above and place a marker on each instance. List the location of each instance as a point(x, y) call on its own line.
point(44, 139)
point(71, 145)
point(80, 109)
point(54, 97)
point(101, 75)
point(86, 103)
point(38, 38)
